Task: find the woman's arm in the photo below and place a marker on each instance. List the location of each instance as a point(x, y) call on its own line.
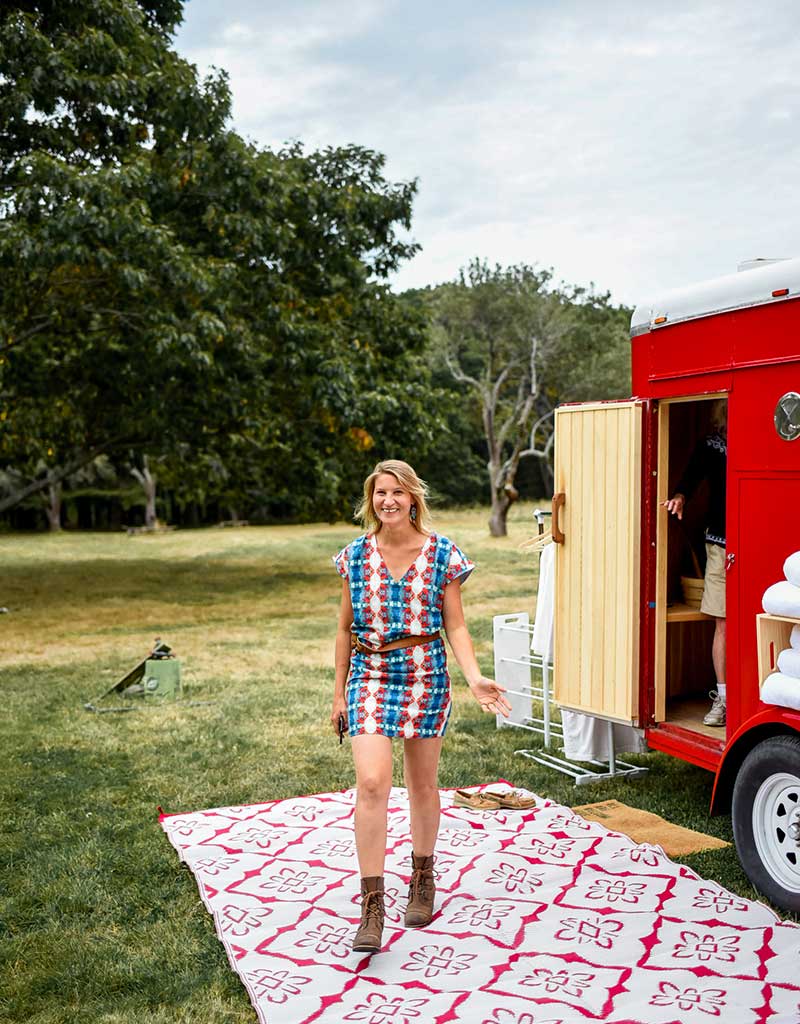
point(486, 692)
point(342, 656)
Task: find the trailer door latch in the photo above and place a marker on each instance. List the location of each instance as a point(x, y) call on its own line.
point(730, 558)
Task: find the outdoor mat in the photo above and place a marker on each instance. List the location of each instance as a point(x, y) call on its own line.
point(644, 826)
point(541, 917)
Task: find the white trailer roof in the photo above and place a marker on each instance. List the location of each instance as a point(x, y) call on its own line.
point(751, 287)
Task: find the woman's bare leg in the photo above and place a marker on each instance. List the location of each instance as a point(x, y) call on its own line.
point(718, 649)
point(373, 760)
point(421, 766)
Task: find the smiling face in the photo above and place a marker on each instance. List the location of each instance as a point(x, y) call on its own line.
point(390, 501)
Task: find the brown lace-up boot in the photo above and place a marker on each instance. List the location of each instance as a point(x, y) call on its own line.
point(370, 931)
point(421, 892)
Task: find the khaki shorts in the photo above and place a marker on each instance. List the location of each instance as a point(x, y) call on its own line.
point(713, 602)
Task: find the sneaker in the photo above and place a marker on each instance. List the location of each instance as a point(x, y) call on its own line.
point(716, 716)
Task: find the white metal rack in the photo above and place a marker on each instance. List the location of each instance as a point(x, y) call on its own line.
point(513, 662)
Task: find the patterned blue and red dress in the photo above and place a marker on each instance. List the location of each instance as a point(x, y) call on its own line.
point(405, 692)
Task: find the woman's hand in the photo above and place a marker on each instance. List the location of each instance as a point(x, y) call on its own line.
point(339, 708)
point(675, 505)
point(489, 695)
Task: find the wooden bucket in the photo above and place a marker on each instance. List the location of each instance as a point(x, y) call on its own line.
point(692, 591)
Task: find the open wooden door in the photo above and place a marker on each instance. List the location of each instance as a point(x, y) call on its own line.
point(598, 467)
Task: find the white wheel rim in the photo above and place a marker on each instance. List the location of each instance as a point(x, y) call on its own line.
point(776, 818)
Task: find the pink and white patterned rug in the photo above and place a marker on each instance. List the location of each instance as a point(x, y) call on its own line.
point(541, 918)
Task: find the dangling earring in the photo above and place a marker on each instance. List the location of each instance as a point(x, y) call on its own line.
point(412, 515)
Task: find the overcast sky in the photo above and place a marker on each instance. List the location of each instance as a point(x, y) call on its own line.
point(637, 145)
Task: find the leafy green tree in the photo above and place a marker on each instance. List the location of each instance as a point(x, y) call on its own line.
point(172, 289)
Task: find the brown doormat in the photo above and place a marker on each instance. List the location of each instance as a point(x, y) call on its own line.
point(645, 827)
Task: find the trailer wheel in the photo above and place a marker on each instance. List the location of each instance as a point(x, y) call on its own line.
point(766, 819)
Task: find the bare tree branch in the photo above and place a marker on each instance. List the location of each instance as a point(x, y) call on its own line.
point(458, 373)
point(517, 419)
point(541, 453)
point(55, 476)
point(502, 377)
point(29, 333)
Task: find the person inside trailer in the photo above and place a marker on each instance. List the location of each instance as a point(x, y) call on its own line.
point(709, 462)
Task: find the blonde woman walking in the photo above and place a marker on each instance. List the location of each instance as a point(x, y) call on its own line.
point(402, 585)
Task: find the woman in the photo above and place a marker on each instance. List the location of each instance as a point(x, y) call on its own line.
point(402, 584)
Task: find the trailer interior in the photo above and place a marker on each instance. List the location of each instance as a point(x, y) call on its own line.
point(684, 672)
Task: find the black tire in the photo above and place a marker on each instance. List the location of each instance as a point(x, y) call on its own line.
point(767, 794)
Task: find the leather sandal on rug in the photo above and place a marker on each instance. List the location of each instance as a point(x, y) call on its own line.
point(475, 801)
point(512, 800)
point(370, 931)
point(421, 892)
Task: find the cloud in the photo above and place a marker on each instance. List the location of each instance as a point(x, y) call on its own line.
point(626, 143)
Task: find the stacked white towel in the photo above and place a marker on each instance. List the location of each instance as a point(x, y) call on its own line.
point(782, 599)
point(791, 569)
point(782, 690)
point(789, 663)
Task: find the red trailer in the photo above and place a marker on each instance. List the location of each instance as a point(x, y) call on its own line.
point(627, 646)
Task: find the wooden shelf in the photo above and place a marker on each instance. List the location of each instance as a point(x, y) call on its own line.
point(683, 613)
point(773, 637)
point(689, 714)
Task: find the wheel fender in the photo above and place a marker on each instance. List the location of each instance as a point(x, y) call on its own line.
point(772, 721)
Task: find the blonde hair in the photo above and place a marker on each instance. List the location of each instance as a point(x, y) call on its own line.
point(409, 481)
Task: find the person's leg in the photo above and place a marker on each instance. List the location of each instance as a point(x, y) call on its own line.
point(718, 654)
point(421, 768)
point(421, 762)
point(717, 715)
point(372, 756)
point(713, 603)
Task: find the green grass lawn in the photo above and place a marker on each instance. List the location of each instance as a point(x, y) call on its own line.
point(99, 921)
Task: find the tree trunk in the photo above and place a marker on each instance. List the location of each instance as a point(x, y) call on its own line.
point(548, 480)
point(150, 499)
point(54, 507)
point(148, 482)
point(150, 508)
point(501, 503)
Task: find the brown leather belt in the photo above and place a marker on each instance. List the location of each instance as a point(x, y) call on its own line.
point(393, 645)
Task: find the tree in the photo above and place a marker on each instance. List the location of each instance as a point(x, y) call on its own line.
point(170, 288)
point(519, 345)
point(499, 327)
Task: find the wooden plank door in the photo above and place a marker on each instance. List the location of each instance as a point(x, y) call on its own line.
point(598, 466)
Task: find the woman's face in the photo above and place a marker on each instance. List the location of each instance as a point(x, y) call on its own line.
point(390, 502)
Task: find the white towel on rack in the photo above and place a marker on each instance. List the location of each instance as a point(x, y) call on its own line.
point(542, 641)
point(791, 569)
point(794, 638)
point(789, 663)
point(781, 690)
point(586, 738)
point(782, 599)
